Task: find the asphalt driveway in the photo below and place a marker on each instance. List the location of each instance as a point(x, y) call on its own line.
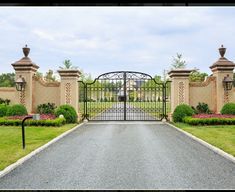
point(124, 155)
point(116, 112)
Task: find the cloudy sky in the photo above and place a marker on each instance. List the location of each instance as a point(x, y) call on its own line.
point(103, 39)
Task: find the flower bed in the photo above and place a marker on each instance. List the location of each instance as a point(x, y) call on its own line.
point(210, 119)
point(42, 117)
point(45, 120)
point(203, 116)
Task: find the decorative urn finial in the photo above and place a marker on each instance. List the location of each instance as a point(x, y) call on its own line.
point(222, 51)
point(26, 50)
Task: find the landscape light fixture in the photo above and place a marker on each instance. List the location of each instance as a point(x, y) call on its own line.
point(20, 83)
point(228, 83)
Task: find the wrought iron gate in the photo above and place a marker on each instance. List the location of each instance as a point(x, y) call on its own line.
point(124, 95)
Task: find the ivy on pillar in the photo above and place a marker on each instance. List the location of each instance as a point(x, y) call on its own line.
point(25, 68)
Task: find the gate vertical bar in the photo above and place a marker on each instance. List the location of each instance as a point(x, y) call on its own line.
point(163, 100)
point(85, 108)
point(84, 100)
point(124, 87)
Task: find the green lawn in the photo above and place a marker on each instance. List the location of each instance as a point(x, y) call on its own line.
point(11, 141)
point(154, 109)
point(95, 108)
point(221, 136)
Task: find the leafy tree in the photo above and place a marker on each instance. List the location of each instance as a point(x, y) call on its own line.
point(178, 62)
point(7, 80)
point(150, 83)
point(67, 65)
point(86, 77)
point(133, 95)
point(38, 74)
point(165, 76)
point(197, 76)
point(49, 76)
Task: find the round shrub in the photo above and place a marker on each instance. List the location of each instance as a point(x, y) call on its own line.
point(3, 110)
point(182, 111)
point(68, 112)
point(46, 108)
point(17, 109)
point(203, 108)
point(228, 108)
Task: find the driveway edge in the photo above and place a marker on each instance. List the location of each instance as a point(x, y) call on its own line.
point(36, 151)
point(211, 147)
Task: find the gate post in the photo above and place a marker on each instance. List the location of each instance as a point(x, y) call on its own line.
point(69, 87)
point(179, 87)
point(26, 69)
point(221, 69)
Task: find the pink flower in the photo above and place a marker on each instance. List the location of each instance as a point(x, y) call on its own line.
point(203, 116)
point(42, 116)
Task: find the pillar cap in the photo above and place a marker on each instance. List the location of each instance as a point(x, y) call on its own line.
point(25, 63)
point(180, 72)
point(69, 72)
point(222, 64)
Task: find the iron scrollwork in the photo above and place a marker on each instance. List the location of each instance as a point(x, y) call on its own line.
point(125, 95)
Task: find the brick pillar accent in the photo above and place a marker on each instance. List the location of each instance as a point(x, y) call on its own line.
point(179, 87)
point(69, 87)
point(221, 68)
point(26, 68)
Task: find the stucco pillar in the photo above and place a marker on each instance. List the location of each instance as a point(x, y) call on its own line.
point(221, 69)
point(179, 87)
point(69, 87)
point(26, 68)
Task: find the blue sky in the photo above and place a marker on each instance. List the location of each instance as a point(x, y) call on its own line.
point(103, 39)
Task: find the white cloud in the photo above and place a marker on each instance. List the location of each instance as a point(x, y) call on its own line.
point(44, 35)
point(98, 39)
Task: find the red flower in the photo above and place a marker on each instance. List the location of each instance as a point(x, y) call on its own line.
point(203, 116)
point(42, 116)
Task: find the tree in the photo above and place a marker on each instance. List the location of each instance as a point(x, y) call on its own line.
point(197, 76)
point(178, 62)
point(38, 74)
point(49, 76)
point(85, 77)
point(68, 65)
point(7, 80)
point(151, 83)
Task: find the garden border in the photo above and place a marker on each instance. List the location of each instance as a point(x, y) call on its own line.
point(36, 151)
point(204, 143)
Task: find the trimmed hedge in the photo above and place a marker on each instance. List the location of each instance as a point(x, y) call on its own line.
point(209, 121)
point(182, 111)
point(228, 108)
point(68, 112)
point(3, 110)
point(17, 109)
point(16, 122)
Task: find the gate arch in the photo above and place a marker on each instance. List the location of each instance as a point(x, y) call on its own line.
point(125, 96)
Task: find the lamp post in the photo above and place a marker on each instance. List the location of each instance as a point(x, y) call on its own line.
point(20, 83)
point(227, 83)
point(34, 117)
